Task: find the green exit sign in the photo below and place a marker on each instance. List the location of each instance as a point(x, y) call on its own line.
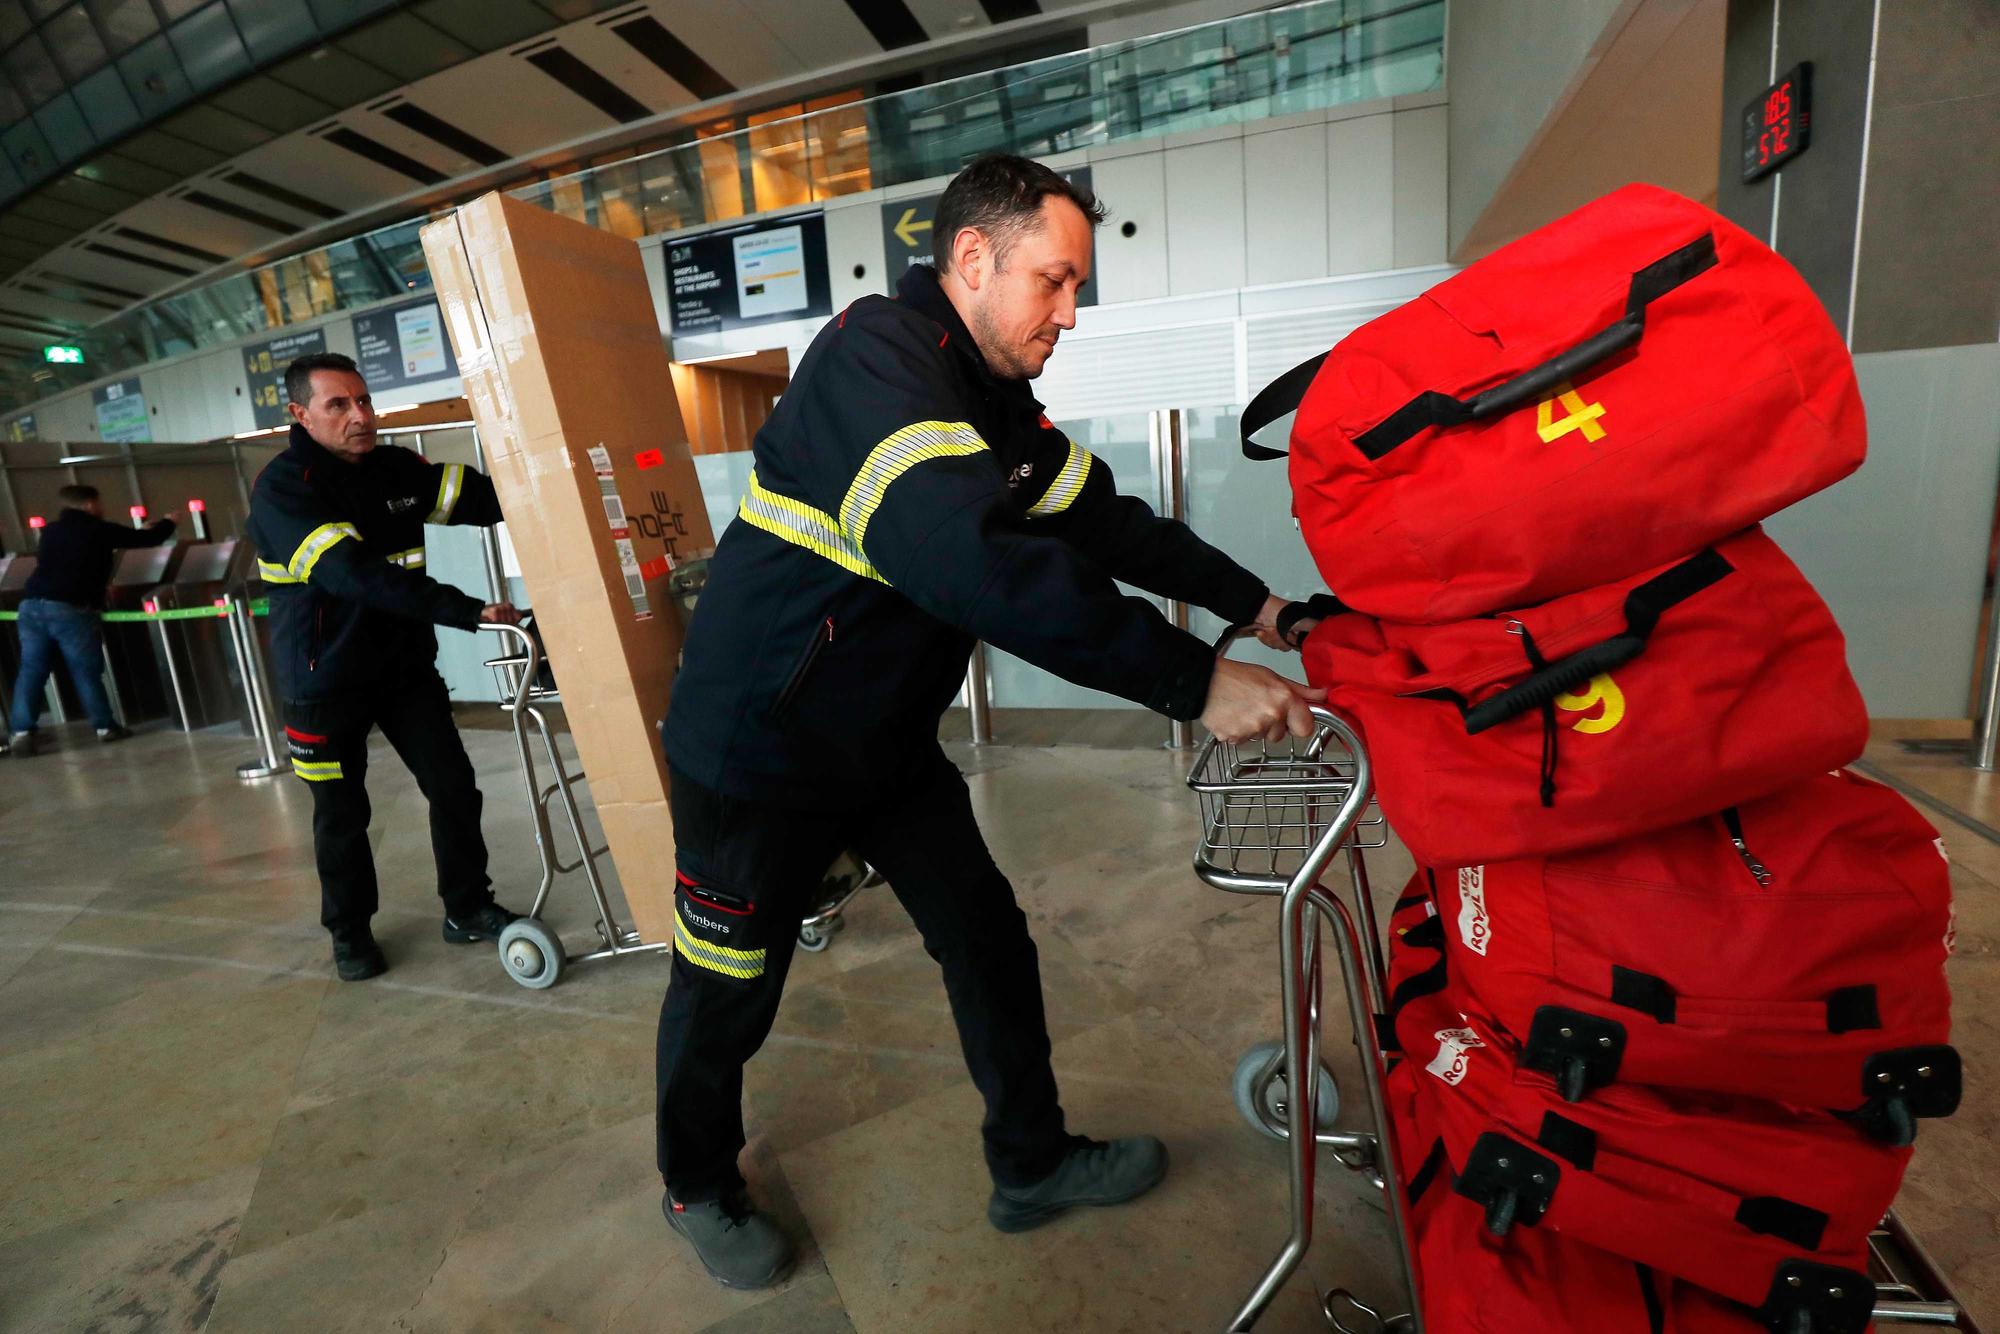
point(66, 356)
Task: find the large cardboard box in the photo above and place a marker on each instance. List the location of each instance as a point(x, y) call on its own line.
point(571, 390)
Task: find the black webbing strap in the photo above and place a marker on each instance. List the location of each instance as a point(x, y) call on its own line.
point(1656, 1311)
point(1787, 1220)
point(1432, 408)
point(1643, 992)
point(1853, 1009)
point(1434, 1162)
point(1315, 608)
point(1273, 401)
point(1644, 606)
point(1571, 1141)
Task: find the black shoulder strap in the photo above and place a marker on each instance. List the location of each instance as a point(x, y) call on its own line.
point(1273, 401)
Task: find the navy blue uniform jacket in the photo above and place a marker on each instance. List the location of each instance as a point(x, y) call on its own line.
point(905, 502)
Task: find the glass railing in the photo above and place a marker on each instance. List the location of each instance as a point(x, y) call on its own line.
point(1302, 57)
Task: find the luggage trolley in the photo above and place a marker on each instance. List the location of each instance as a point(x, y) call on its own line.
point(1272, 821)
point(530, 950)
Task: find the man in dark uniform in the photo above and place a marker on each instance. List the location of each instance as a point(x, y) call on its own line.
point(62, 610)
point(909, 497)
point(339, 529)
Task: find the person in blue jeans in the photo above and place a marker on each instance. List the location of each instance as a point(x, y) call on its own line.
point(62, 610)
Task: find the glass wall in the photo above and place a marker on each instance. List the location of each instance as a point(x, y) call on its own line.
point(1301, 57)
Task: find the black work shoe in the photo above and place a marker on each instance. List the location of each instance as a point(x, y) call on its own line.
point(115, 732)
point(1094, 1173)
point(356, 956)
point(739, 1247)
point(480, 924)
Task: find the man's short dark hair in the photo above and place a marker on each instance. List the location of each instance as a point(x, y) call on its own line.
point(1001, 195)
point(76, 496)
point(299, 375)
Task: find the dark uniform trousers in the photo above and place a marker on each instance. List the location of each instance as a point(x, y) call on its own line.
point(747, 872)
point(328, 740)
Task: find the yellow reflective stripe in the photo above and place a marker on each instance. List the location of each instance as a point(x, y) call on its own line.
point(274, 574)
point(317, 771)
point(449, 486)
point(802, 525)
point(318, 542)
point(413, 559)
point(1068, 485)
point(892, 458)
point(717, 959)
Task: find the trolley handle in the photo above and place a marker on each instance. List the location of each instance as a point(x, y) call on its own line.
point(529, 661)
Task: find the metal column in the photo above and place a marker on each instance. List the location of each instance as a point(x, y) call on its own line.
point(1168, 431)
point(978, 703)
point(1986, 730)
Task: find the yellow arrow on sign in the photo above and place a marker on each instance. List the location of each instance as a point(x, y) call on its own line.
point(907, 227)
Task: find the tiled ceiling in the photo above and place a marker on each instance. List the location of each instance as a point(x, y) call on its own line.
point(220, 131)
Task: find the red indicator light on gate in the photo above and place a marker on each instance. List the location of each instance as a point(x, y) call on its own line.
point(197, 505)
point(37, 521)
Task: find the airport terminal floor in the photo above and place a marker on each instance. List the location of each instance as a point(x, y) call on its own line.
point(208, 1132)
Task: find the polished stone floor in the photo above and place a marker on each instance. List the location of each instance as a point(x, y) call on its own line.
point(202, 1130)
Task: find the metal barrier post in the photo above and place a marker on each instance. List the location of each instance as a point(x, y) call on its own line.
point(58, 715)
point(1986, 730)
point(111, 694)
point(173, 669)
point(1169, 429)
point(978, 702)
point(250, 656)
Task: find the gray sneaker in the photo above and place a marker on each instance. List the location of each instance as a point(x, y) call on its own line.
point(1094, 1173)
point(739, 1247)
point(22, 744)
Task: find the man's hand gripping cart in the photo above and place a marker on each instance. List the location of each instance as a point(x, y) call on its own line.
point(532, 954)
point(1272, 824)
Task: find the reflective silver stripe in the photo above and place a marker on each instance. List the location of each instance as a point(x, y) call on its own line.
point(449, 487)
point(802, 525)
point(413, 559)
point(274, 574)
point(893, 457)
point(318, 542)
point(744, 964)
point(1067, 486)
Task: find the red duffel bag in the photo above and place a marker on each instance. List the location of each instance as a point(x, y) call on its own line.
point(1624, 386)
point(1792, 948)
point(1608, 713)
point(1751, 1201)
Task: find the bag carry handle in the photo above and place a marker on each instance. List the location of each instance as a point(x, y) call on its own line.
point(1432, 408)
point(1643, 607)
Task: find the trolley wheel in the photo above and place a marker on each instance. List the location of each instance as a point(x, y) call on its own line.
point(1263, 1108)
point(531, 953)
point(816, 938)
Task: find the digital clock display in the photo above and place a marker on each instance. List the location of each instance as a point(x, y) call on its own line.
point(1778, 124)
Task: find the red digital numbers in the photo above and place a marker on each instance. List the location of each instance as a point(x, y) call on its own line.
point(1777, 124)
point(1778, 105)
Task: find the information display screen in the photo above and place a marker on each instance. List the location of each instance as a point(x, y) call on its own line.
point(1777, 126)
point(754, 274)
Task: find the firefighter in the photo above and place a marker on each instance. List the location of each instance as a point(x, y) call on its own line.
point(909, 497)
point(338, 524)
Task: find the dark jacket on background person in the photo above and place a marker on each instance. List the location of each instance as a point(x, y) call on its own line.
point(905, 502)
point(340, 549)
point(74, 559)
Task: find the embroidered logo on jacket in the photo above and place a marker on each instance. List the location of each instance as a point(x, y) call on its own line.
point(1475, 928)
point(1454, 1044)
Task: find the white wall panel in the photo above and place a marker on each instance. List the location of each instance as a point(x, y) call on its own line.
point(1285, 204)
point(854, 236)
point(1420, 186)
point(1205, 227)
point(1131, 268)
point(1360, 192)
point(1163, 368)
